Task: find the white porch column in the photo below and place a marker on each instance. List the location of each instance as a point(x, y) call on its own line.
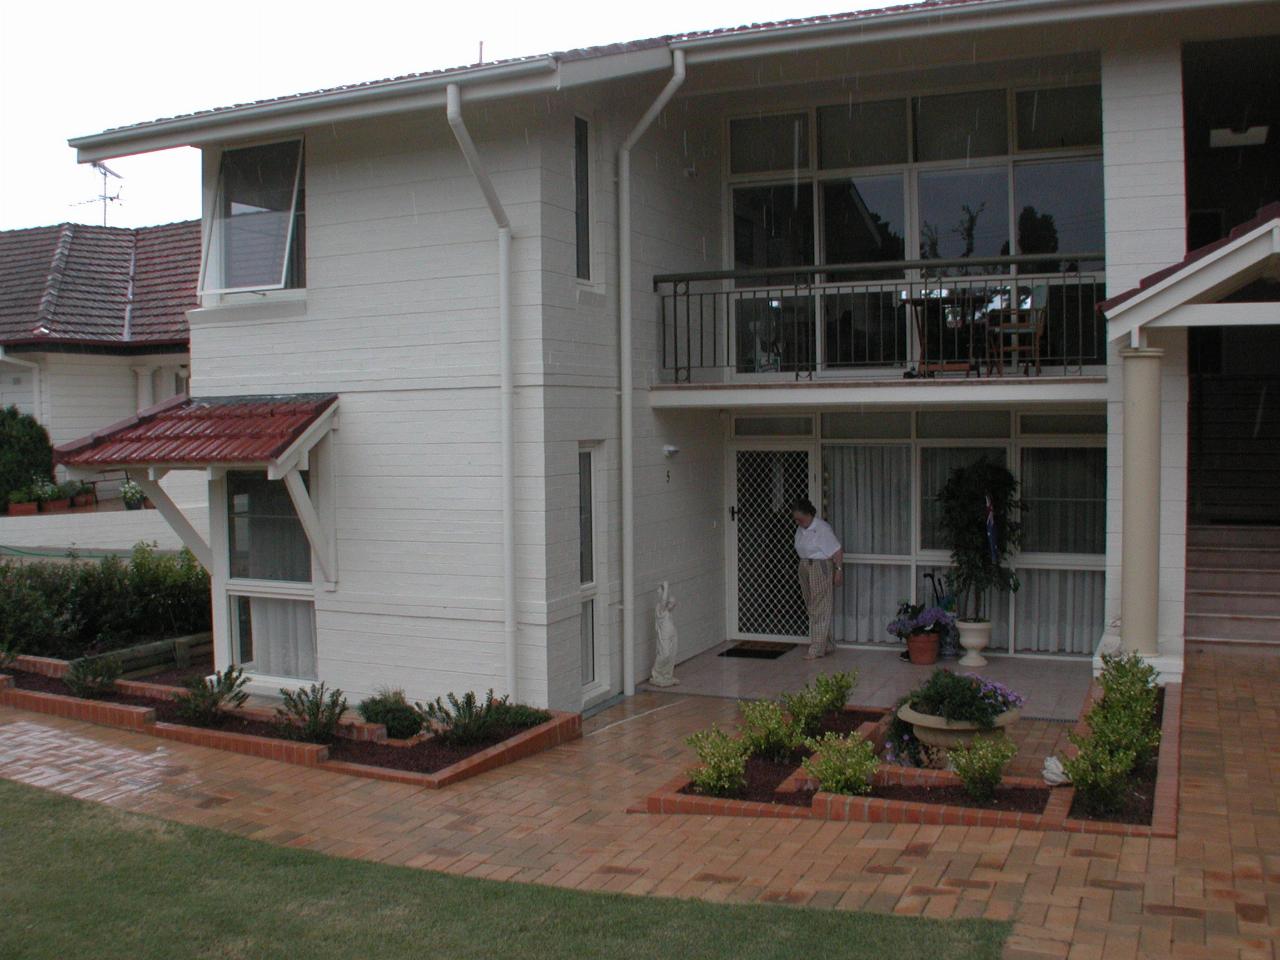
point(145, 385)
point(1140, 527)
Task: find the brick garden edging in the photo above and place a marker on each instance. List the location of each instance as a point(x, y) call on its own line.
point(561, 728)
point(670, 798)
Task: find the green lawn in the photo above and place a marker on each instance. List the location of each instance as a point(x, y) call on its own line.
point(83, 880)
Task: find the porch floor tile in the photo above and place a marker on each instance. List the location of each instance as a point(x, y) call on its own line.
point(1054, 687)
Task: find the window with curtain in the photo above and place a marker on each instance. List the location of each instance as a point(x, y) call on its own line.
point(869, 600)
point(1065, 489)
point(936, 464)
point(276, 637)
point(265, 536)
point(868, 497)
point(1059, 611)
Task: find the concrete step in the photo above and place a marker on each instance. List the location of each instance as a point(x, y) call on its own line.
point(1242, 602)
point(1225, 626)
point(1265, 643)
point(1231, 535)
point(1223, 578)
point(1234, 558)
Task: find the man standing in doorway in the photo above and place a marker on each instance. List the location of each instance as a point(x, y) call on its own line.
point(821, 569)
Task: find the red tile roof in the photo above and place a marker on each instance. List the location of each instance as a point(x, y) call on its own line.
point(201, 432)
point(602, 50)
point(1266, 214)
point(81, 284)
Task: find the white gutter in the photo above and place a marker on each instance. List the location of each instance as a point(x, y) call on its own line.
point(289, 113)
point(626, 361)
point(507, 381)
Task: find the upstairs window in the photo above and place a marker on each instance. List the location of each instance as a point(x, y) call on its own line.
point(256, 237)
point(582, 196)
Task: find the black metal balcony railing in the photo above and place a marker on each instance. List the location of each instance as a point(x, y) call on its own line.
point(993, 316)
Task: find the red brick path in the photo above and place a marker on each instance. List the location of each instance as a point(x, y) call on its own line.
point(559, 818)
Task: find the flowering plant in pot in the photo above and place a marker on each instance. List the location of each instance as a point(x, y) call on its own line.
point(83, 495)
point(979, 516)
point(22, 503)
point(951, 710)
point(50, 495)
point(132, 495)
point(922, 629)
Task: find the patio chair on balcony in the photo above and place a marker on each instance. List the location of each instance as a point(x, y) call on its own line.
point(1014, 331)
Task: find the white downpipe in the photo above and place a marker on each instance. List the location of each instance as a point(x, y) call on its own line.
point(625, 386)
point(453, 109)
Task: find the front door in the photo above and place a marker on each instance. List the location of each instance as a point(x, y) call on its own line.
point(764, 593)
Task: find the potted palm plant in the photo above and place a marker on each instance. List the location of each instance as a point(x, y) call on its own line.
point(979, 507)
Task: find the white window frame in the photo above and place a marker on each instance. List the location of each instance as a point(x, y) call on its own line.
point(590, 589)
point(211, 261)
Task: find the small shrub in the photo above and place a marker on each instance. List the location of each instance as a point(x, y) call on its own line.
point(23, 495)
point(1117, 729)
point(767, 731)
point(723, 763)
point(25, 450)
point(1100, 776)
point(390, 708)
point(809, 705)
point(44, 489)
point(842, 764)
point(311, 714)
point(981, 765)
point(93, 676)
point(207, 697)
point(463, 721)
point(8, 656)
point(69, 489)
point(518, 716)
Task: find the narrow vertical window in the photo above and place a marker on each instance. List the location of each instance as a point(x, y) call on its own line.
point(582, 196)
point(586, 520)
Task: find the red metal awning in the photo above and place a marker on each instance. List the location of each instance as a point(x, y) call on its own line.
point(200, 432)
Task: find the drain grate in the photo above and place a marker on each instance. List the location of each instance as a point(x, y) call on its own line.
point(758, 649)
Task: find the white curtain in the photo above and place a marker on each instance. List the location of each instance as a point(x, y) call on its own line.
point(869, 600)
point(1059, 611)
point(284, 637)
point(868, 494)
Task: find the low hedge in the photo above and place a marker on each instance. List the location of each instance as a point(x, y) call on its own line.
point(73, 609)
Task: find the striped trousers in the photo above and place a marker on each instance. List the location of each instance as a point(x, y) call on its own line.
point(816, 588)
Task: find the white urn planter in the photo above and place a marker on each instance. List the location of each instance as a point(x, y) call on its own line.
point(975, 636)
point(939, 732)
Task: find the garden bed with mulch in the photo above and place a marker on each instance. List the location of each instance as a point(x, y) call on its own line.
point(361, 749)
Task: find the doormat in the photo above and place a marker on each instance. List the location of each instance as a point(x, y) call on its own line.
point(758, 649)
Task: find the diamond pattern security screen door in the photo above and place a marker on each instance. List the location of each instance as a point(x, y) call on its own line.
point(769, 601)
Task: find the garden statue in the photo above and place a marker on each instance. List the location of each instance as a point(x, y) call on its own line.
point(665, 661)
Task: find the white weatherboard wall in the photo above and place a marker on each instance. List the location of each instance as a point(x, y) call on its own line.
point(400, 319)
point(16, 387)
point(679, 499)
point(1146, 231)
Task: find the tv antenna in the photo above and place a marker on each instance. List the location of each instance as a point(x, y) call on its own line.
point(104, 197)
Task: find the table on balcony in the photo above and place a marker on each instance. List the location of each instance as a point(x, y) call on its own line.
point(950, 323)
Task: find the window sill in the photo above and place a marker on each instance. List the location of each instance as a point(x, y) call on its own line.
point(269, 303)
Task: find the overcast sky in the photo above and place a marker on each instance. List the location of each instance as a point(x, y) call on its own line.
point(73, 68)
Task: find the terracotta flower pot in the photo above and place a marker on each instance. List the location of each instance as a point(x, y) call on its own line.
point(147, 504)
point(83, 500)
point(56, 506)
point(922, 648)
point(23, 509)
point(938, 732)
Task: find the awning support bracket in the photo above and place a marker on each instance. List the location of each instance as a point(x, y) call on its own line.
point(322, 545)
point(176, 519)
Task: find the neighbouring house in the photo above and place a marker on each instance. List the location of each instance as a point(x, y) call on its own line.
point(485, 355)
point(93, 328)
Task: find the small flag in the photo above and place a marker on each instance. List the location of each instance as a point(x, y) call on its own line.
point(991, 530)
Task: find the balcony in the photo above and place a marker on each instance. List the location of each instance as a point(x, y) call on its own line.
point(993, 318)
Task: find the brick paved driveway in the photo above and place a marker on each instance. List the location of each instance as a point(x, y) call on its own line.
point(560, 818)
